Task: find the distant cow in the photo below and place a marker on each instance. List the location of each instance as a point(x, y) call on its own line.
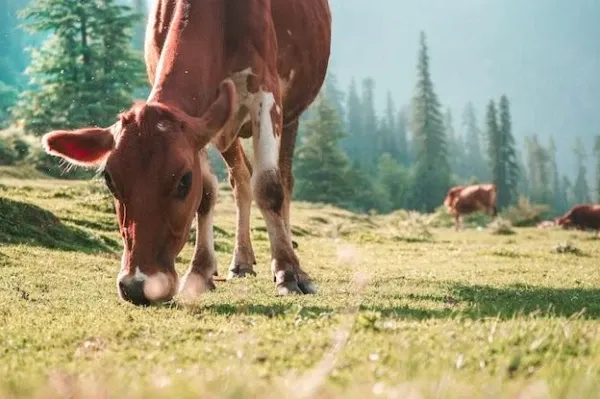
point(463, 200)
point(581, 217)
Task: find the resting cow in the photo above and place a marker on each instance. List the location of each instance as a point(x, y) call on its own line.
point(219, 70)
point(581, 217)
point(464, 200)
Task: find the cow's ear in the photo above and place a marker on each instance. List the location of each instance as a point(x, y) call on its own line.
point(214, 120)
point(84, 147)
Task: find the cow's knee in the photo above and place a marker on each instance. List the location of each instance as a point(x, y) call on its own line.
point(268, 190)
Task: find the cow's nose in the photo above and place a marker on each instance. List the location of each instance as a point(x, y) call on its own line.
point(147, 290)
point(132, 290)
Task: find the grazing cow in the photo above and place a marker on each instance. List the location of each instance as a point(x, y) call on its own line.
point(463, 200)
point(581, 217)
point(220, 71)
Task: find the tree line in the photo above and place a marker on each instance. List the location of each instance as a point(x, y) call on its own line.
point(408, 157)
point(87, 65)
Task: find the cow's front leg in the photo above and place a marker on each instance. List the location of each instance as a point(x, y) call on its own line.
point(199, 277)
point(269, 194)
point(239, 178)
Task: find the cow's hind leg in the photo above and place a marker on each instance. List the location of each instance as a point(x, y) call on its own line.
point(199, 277)
point(270, 194)
point(240, 171)
point(286, 154)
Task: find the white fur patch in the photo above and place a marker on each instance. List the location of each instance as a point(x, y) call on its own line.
point(266, 148)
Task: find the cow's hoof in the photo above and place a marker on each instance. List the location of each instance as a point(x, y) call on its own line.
point(240, 271)
point(289, 288)
point(294, 244)
point(193, 285)
point(308, 287)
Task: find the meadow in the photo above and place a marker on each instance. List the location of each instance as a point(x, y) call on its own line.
point(407, 307)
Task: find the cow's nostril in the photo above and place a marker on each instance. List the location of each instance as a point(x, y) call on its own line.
point(133, 291)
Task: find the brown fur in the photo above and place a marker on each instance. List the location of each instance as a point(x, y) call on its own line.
point(464, 200)
point(581, 217)
point(191, 50)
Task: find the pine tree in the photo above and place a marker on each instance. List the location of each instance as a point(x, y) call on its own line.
point(473, 152)
point(432, 170)
point(559, 205)
point(334, 95)
point(456, 150)
point(352, 142)
point(369, 130)
point(394, 180)
point(581, 190)
point(401, 126)
point(387, 137)
point(509, 193)
point(540, 173)
point(597, 153)
point(320, 165)
point(85, 73)
point(495, 148)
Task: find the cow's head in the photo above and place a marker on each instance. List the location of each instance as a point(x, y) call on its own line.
point(563, 221)
point(150, 161)
point(451, 196)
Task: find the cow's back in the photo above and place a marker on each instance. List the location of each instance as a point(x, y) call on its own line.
point(587, 216)
point(303, 29)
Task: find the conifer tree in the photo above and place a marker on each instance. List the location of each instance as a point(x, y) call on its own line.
point(559, 204)
point(540, 163)
point(394, 180)
point(581, 189)
point(352, 142)
point(509, 155)
point(401, 126)
point(85, 73)
point(473, 146)
point(597, 153)
point(502, 155)
point(456, 149)
point(369, 137)
point(432, 170)
point(320, 165)
point(387, 137)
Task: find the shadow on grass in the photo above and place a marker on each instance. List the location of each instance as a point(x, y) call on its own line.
point(504, 302)
point(23, 223)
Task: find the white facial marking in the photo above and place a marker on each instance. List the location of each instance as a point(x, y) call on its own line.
point(139, 275)
point(266, 147)
point(278, 110)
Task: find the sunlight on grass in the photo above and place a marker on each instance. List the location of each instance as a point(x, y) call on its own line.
point(405, 308)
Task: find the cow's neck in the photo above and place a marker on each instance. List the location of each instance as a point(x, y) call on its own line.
point(189, 70)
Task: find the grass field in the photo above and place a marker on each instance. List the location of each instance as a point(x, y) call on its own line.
point(404, 309)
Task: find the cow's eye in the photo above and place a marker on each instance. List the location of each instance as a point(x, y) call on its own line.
point(109, 183)
point(184, 185)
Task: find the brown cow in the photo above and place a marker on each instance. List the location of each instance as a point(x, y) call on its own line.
point(219, 70)
point(463, 200)
point(581, 217)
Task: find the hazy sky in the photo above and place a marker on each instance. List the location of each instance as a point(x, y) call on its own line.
point(543, 54)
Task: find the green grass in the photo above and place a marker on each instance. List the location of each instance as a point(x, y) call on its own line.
point(403, 309)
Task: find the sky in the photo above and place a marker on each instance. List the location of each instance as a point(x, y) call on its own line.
point(544, 55)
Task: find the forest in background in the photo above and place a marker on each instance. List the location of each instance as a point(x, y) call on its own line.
point(86, 65)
